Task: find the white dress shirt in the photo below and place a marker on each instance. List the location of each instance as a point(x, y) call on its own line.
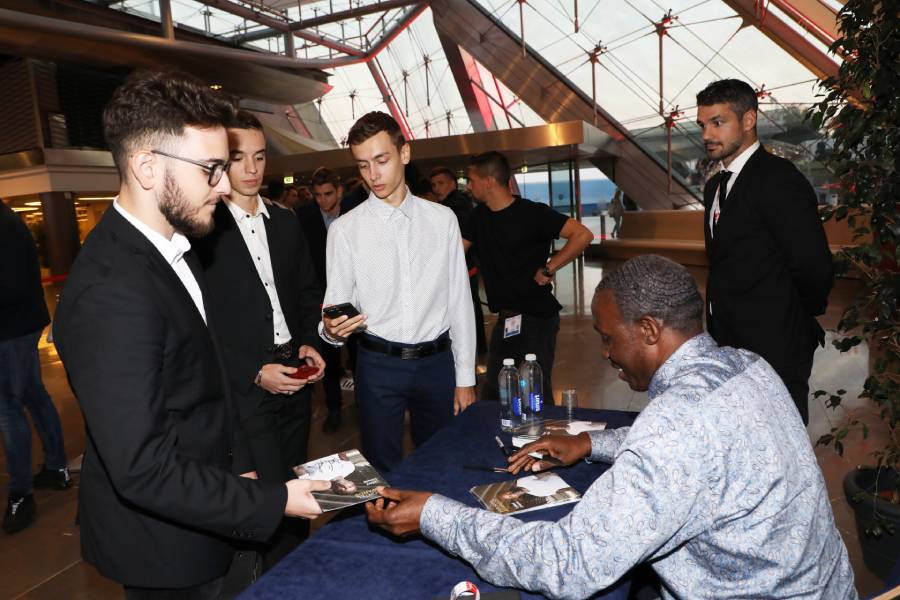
point(172, 251)
point(253, 230)
point(735, 169)
point(404, 268)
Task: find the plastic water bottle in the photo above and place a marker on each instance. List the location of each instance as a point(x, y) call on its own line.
point(532, 388)
point(510, 400)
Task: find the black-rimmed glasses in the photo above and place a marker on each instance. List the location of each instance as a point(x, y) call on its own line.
point(214, 170)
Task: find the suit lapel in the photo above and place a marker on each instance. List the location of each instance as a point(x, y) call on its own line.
point(276, 238)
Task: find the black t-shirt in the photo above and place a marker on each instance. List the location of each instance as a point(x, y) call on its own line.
point(512, 244)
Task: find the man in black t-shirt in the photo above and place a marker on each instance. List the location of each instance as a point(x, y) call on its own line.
point(512, 238)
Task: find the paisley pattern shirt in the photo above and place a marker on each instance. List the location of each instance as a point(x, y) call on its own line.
point(715, 485)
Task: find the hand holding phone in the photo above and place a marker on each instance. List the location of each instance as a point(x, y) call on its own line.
point(342, 320)
point(340, 310)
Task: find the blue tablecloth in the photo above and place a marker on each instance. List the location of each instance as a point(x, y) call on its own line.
point(348, 559)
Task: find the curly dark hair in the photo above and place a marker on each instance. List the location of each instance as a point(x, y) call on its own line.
point(373, 123)
point(154, 106)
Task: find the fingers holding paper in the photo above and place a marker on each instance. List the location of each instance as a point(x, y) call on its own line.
point(397, 511)
point(300, 502)
point(567, 449)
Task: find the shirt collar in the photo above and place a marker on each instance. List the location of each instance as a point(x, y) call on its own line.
point(171, 250)
point(738, 163)
point(698, 346)
point(239, 213)
point(385, 211)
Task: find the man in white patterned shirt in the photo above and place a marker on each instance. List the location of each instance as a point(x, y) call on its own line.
point(715, 485)
point(399, 260)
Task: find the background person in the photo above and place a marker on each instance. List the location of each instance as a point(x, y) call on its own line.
point(330, 203)
point(23, 316)
point(446, 190)
point(770, 268)
point(512, 238)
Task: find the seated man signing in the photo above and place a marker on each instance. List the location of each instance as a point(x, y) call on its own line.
point(715, 485)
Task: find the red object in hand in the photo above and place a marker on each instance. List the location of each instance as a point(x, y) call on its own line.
point(304, 372)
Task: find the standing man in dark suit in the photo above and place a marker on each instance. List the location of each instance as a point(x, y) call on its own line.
point(23, 316)
point(264, 294)
point(446, 190)
point(770, 268)
point(316, 218)
point(159, 496)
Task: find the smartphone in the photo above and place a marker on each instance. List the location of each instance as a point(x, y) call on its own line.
point(346, 310)
point(304, 372)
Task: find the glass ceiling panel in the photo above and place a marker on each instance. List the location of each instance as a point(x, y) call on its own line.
point(705, 40)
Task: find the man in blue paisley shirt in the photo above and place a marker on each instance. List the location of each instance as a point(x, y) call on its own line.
point(715, 485)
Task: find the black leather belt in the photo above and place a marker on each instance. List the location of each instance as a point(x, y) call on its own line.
point(406, 351)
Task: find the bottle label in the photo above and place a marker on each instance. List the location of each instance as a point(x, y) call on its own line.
point(517, 406)
point(535, 403)
point(506, 422)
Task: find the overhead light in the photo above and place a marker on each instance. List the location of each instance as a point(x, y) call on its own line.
point(23, 209)
point(288, 179)
point(216, 87)
point(97, 198)
point(35, 203)
point(524, 169)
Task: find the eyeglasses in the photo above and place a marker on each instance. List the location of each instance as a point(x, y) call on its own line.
point(214, 170)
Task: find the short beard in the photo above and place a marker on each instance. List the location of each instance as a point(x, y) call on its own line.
point(729, 151)
point(174, 207)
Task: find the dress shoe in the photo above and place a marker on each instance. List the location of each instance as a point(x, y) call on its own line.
point(19, 513)
point(332, 422)
point(52, 479)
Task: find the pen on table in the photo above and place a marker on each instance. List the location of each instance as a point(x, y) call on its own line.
point(483, 468)
point(503, 447)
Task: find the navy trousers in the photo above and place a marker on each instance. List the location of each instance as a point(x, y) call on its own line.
point(386, 386)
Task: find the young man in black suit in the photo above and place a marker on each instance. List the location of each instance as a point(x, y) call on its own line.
point(770, 268)
point(315, 219)
point(160, 495)
point(264, 293)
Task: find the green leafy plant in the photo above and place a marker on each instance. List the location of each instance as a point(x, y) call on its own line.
point(861, 109)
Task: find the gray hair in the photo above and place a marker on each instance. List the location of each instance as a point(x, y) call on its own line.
point(651, 285)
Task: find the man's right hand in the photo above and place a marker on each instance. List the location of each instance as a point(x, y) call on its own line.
point(342, 327)
point(300, 501)
point(275, 379)
point(566, 448)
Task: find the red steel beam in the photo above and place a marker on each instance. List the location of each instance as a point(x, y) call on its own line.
point(795, 44)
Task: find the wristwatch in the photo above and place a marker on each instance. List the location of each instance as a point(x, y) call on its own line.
point(546, 272)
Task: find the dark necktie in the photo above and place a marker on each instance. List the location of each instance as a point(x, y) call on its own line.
point(721, 192)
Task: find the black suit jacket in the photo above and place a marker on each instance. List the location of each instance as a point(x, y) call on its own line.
point(313, 224)
point(240, 302)
point(770, 268)
point(22, 306)
point(158, 497)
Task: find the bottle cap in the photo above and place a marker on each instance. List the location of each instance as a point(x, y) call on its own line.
point(508, 362)
point(531, 357)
